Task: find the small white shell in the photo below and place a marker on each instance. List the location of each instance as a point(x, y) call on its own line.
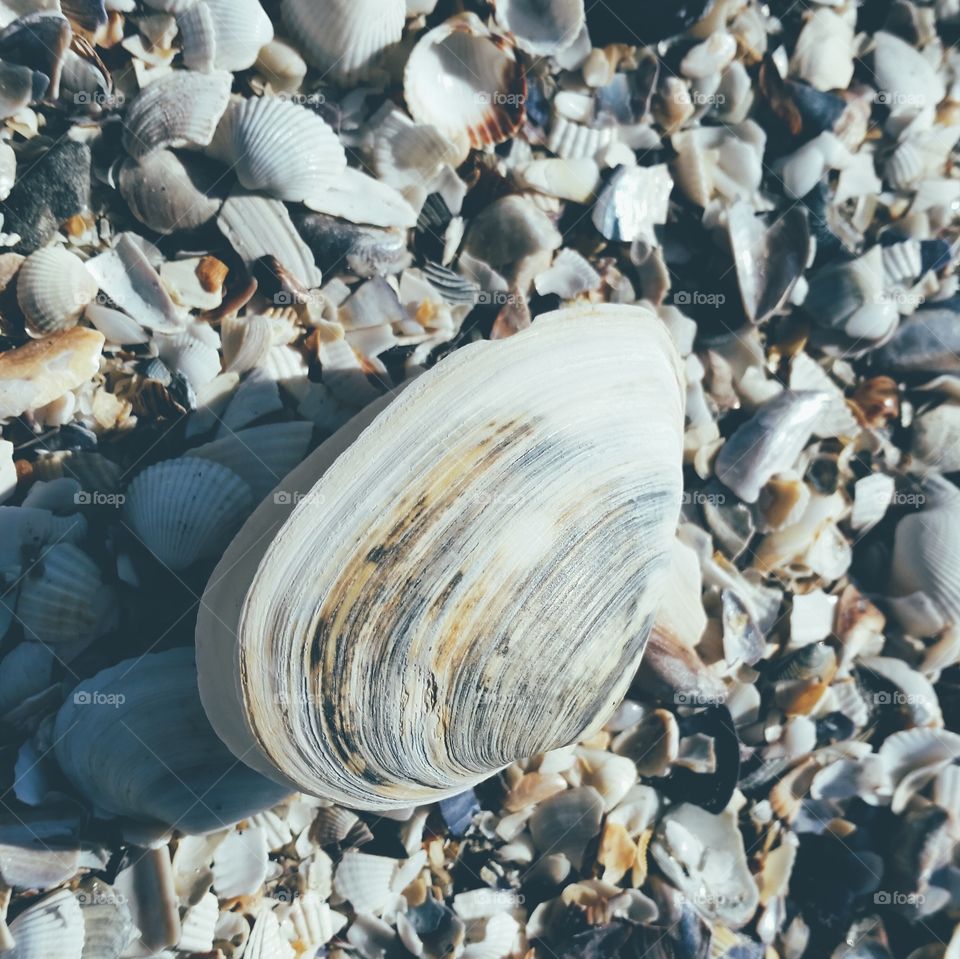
point(224, 34)
point(574, 134)
point(365, 881)
point(908, 81)
point(279, 147)
point(936, 438)
point(186, 509)
point(541, 28)
point(344, 38)
point(703, 856)
point(51, 927)
point(180, 109)
point(567, 822)
point(197, 360)
point(359, 198)
point(53, 289)
point(198, 925)
point(466, 82)
point(824, 51)
point(63, 598)
point(926, 557)
point(106, 920)
point(769, 442)
point(240, 863)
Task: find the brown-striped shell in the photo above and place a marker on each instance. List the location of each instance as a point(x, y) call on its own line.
point(461, 578)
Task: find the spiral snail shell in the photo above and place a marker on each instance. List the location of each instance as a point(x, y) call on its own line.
point(459, 578)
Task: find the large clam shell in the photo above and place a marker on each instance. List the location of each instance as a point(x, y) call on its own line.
point(480, 589)
point(344, 38)
point(133, 740)
point(466, 82)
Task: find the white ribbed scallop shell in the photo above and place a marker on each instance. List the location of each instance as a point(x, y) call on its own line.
point(182, 108)
point(186, 509)
point(224, 34)
point(455, 590)
point(926, 552)
point(53, 289)
point(51, 927)
point(344, 38)
point(63, 598)
point(279, 147)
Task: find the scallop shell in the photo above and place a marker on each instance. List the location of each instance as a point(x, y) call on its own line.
point(180, 109)
point(926, 555)
point(167, 192)
point(344, 38)
point(51, 927)
point(541, 28)
point(365, 881)
point(262, 455)
point(377, 743)
point(278, 147)
point(133, 740)
point(574, 135)
point(224, 34)
point(186, 509)
point(53, 290)
point(63, 599)
point(466, 82)
point(936, 438)
point(240, 863)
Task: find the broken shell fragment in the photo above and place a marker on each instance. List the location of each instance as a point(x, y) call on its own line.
point(328, 709)
point(38, 373)
point(769, 442)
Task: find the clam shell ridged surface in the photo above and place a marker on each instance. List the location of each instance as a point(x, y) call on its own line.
point(425, 588)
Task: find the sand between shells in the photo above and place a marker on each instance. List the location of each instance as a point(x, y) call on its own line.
point(484, 345)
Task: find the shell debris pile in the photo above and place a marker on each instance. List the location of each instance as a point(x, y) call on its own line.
point(379, 379)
